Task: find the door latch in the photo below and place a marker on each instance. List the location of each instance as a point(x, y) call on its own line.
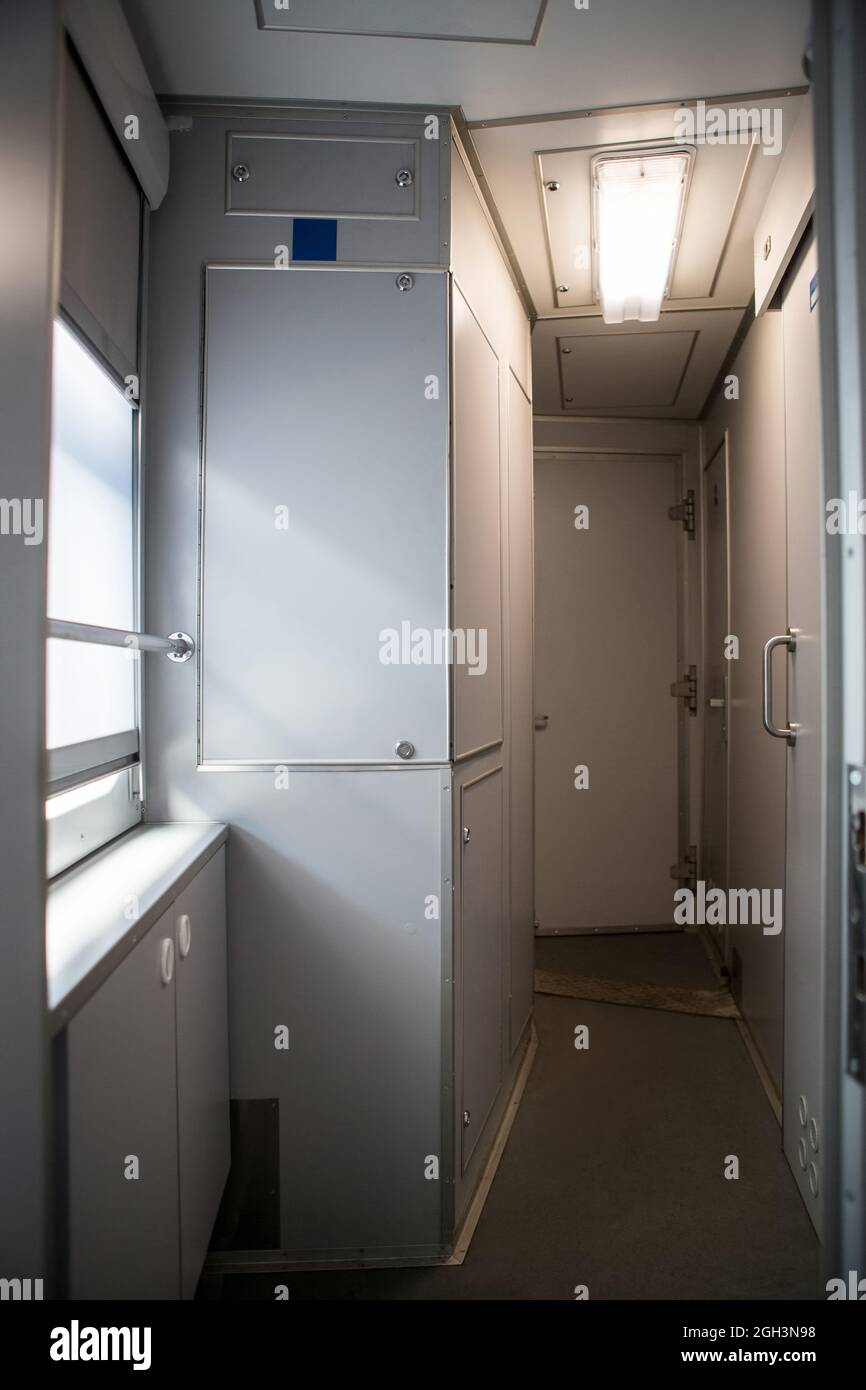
point(687, 689)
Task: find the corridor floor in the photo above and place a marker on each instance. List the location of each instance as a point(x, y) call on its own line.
point(613, 1176)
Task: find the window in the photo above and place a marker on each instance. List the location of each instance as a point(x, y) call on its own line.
point(92, 691)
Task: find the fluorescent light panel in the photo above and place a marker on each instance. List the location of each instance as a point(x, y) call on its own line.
point(638, 202)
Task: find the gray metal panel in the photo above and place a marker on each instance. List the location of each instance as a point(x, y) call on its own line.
point(324, 175)
point(756, 482)
point(481, 908)
point(521, 734)
point(290, 636)
point(327, 888)
point(30, 53)
point(803, 1126)
point(101, 229)
point(202, 1064)
point(477, 547)
point(123, 1232)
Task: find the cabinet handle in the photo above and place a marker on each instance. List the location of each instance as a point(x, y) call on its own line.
point(184, 935)
point(166, 960)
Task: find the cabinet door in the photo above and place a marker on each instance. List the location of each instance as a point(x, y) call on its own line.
point(481, 953)
point(339, 522)
point(123, 1202)
point(202, 1062)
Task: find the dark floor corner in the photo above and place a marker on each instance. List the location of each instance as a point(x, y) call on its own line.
point(613, 1176)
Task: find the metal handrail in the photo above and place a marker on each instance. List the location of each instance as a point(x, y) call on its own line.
point(789, 640)
point(178, 646)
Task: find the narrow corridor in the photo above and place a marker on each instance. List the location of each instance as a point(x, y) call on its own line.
point(613, 1176)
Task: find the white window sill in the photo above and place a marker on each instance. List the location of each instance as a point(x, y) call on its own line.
point(97, 911)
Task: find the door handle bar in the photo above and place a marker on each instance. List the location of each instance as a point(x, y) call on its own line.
point(789, 640)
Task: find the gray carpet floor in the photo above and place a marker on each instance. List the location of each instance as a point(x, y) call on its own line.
point(613, 1176)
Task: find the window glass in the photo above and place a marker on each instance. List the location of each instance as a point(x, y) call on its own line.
point(91, 555)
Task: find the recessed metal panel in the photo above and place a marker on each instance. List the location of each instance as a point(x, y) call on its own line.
point(324, 517)
point(482, 21)
point(626, 369)
point(279, 175)
point(620, 367)
point(477, 535)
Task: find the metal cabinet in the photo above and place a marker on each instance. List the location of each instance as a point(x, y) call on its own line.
point(122, 1135)
point(348, 478)
point(147, 1104)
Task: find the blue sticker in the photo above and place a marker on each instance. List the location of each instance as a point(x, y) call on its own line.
point(314, 239)
point(813, 291)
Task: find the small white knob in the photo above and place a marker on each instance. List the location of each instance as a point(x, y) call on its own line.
point(166, 960)
point(184, 935)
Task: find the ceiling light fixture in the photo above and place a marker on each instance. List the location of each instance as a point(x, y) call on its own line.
point(638, 200)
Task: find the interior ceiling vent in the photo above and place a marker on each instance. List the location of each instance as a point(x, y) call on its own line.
point(469, 21)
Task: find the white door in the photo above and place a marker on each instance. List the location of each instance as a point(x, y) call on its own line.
point(714, 840)
point(606, 605)
point(804, 889)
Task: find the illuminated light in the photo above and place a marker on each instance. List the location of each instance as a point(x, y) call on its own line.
point(638, 202)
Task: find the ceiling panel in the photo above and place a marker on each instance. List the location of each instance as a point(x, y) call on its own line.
point(490, 21)
point(626, 369)
point(729, 186)
point(659, 370)
point(611, 53)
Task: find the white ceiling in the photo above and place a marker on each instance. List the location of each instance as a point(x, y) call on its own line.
point(614, 53)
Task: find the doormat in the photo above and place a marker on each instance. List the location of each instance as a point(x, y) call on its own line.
point(711, 1003)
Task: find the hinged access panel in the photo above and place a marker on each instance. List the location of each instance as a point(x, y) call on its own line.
point(324, 506)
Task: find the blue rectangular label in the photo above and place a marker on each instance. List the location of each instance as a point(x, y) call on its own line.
point(314, 239)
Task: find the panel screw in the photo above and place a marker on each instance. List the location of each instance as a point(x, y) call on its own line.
point(566, 351)
point(553, 186)
point(405, 282)
point(404, 749)
point(404, 178)
point(562, 289)
point(240, 173)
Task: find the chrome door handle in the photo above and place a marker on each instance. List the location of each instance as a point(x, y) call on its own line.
point(714, 703)
point(789, 640)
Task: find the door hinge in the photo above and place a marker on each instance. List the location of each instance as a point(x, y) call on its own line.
point(685, 512)
point(856, 965)
point(687, 689)
point(686, 871)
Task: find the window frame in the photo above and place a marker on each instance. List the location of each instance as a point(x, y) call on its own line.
point(78, 764)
